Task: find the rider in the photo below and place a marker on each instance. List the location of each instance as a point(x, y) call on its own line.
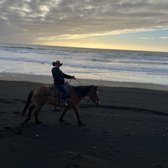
point(59, 81)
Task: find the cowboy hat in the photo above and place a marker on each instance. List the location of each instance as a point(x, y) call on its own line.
point(57, 63)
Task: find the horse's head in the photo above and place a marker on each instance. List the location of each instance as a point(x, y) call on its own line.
point(93, 94)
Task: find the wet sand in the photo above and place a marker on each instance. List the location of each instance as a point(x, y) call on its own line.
point(128, 129)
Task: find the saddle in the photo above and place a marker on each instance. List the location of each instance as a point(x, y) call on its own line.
point(54, 91)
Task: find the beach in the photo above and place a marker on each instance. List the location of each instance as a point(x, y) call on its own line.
point(128, 129)
point(112, 56)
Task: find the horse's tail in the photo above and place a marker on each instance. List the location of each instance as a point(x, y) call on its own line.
point(28, 101)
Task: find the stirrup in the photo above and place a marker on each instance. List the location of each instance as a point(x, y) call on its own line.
point(63, 103)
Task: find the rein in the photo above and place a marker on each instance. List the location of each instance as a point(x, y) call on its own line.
point(79, 81)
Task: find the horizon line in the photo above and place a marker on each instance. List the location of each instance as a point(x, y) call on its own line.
point(94, 48)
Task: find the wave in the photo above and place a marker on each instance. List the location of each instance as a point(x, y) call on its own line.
point(28, 60)
point(91, 63)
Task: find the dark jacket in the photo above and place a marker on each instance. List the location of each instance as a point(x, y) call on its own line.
point(59, 76)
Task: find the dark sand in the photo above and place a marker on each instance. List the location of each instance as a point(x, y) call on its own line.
point(128, 130)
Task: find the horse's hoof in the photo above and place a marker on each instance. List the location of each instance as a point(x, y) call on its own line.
point(21, 114)
point(61, 120)
point(81, 124)
point(22, 124)
point(38, 122)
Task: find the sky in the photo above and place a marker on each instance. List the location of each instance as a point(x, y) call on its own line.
point(111, 24)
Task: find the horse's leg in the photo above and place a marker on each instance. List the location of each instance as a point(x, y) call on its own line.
point(36, 112)
point(77, 116)
point(31, 108)
point(63, 113)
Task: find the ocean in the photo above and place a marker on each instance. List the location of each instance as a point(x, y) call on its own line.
point(99, 64)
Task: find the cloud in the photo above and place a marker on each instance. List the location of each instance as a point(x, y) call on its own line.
point(145, 38)
point(33, 20)
point(164, 37)
point(148, 38)
point(114, 32)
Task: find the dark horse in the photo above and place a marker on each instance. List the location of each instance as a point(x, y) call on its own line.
point(38, 97)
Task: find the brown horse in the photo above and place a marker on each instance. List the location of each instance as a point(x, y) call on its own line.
point(38, 97)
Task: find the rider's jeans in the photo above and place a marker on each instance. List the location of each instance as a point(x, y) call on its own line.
point(62, 88)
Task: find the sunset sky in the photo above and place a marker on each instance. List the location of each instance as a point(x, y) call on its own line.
point(111, 24)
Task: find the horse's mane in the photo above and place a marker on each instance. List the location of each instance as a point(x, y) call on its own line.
point(82, 90)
